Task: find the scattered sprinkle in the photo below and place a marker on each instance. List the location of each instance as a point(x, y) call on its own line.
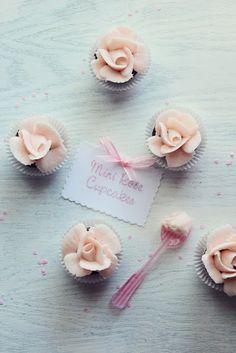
point(130, 14)
point(180, 258)
point(46, 93)
point(44, 271)
point(139, 260)
point(35, 252)
point(43, 262)
point(117, 287)
point(202, 226)
point(86, 310)
point(23, 98)
point(229, 162)
point(34, 94)
point(219, 194)
point(4, 213)
point(2, 218)
point(1, 301)
point(216, 161)
point(17, 106)
point(129, 237)
point(231, 154)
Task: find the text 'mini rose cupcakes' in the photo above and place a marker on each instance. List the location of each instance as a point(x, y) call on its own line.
point(120, 59)
point(215, 259)
point(176, 138)
point(90, 252)
point(38, 145)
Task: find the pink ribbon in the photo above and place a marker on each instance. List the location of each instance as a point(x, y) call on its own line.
point(129, 165)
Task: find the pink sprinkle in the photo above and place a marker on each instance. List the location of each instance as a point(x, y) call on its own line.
point(180, 258)
point(202, 226)
point(86, 310)
point(46, 93)
point(216, 161)
point(43, 272)
point(231, 154)
point(1, 301)
point(33, 94)
point(229, 162)
point(130, 237)
point(219, 193)
point(2, 218)
point(130, 14)
point(17, 106)
point(23, 98)
point(43, 262)
point(35, 252)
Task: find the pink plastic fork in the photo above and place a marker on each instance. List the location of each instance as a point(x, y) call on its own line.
point(122, 296)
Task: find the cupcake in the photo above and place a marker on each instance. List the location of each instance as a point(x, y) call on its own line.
point(90, 252)
point(120, 59)
point(38, 146)
point(215, 260)
point(176, 138)
point(178, 226)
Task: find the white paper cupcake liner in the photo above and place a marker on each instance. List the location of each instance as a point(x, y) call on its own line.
point(95, 277)
point(161, 162)
point(33, 171)
point(119, 87)
point(200, 268)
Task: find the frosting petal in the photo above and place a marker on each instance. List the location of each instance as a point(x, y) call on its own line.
point(141, 59)
point(49, 133)
point(108, 271)
point(211, 269)
point(73, 265)
point(220, 263)
point(192, 143)
point(189, 123)
point(228, 258)
point(178, 158)
point(121, 42)
point(230, 287)
point(169, 149)
point(108, 74)
point(219, 236)
point(105, 235)
point(73, 238)
point(52, 159)
point(37, 145)
point(19, 151)
point(155, 144)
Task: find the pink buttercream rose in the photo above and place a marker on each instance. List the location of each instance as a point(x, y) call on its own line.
point(176, 137)
point(220, 258)
point(37, 142)
point(119, 55)
point(85, 250)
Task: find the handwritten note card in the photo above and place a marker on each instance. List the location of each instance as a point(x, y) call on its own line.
point(105, 187)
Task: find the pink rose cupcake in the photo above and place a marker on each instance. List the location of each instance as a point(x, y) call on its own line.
point(120, 59)
point(38, 146)
point(90, 252)
point(215, 260)
point(176, 138)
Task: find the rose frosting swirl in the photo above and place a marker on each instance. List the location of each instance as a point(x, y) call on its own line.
point(85, 250)
point(220, 258)
point(37, 142)
point(176, 137)
point(119, 55)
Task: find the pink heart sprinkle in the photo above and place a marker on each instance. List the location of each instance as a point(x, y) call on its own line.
point(43, 272)
point(35, 252)
point(130, 237)
point(1, 301)
point(43, 262)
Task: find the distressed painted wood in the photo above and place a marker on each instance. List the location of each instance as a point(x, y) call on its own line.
point(43, 69)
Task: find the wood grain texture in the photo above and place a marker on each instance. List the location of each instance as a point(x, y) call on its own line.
point(43, 69)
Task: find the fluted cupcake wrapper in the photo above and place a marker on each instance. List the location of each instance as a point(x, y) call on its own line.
point(161, 161)
point(119, 87)
point(33, 171)
point(200, 268)
point(94, 277)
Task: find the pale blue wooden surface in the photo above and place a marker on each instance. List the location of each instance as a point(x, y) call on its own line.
point(44, 49)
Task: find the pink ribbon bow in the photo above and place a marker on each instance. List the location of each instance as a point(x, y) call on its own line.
point(113, 156)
